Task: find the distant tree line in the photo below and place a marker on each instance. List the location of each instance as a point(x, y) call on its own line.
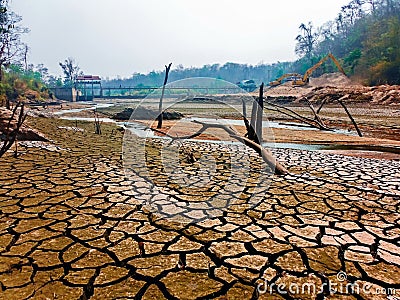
point(232, 72)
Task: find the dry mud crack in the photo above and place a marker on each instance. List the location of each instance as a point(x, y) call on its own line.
point(72, 227)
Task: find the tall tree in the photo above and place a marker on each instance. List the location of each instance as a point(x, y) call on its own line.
point(306, 40)
point(11, 47)
point(71, 71)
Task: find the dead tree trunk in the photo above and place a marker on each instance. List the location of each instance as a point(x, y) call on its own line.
point(160, 105)
point(350, 116)
point(260, 109)
point(245, 120)
point(251, 132)
point(97, 123)
point(254, 129)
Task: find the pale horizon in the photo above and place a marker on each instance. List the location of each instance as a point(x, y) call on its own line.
point(134, 36)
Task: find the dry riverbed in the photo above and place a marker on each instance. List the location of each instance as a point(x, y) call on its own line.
point(74, 224)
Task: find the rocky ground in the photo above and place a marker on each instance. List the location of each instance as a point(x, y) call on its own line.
point(77, 221)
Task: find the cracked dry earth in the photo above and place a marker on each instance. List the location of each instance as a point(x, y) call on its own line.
point(73, 226)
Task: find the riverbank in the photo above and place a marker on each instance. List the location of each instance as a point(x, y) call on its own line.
point(380, 126)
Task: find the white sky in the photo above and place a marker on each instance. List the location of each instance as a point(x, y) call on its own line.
point(120, 37)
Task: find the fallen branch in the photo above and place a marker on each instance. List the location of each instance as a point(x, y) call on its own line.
point(264, 153)
point(11, 135)
point(296, 116)
point(186, 137)
point(340, 101)
point(16, 148)
point(316, 116)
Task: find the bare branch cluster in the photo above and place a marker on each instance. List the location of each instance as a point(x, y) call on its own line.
point(11, 131)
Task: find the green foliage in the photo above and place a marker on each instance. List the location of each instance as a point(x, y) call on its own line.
point(71, 71)
point(381, 53)
point(20, 85)
point(306, 40)
point(12, 50)
point(352, 59)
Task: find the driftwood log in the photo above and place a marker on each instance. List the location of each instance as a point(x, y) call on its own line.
point(264, 153)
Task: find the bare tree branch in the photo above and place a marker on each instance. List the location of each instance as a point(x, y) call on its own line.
point(11, 134)
point(350, 116)
point(294, 115)
point(316, 116)
point(321, 105)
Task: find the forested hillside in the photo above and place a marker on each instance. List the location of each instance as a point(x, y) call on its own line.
point(19, 84)
point(18, 79)
point(365, 37)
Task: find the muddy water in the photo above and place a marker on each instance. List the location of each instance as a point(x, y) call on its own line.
point(373, 148)
point(76, 110)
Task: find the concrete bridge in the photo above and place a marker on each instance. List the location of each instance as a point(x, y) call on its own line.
point(88, 94)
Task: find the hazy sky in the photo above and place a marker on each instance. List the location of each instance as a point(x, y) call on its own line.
point(120, 37)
